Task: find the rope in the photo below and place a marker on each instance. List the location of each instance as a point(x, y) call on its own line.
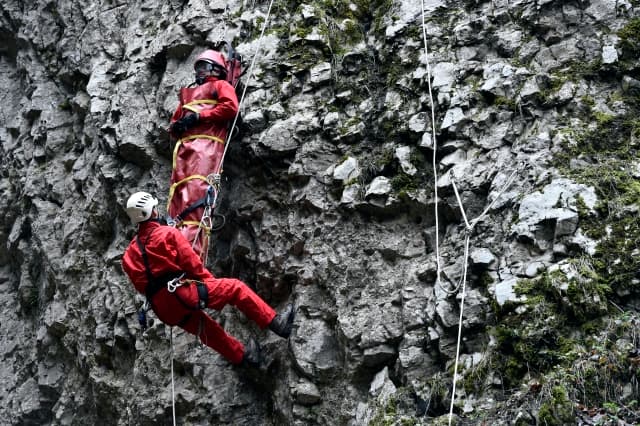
point(244, 90)
point(173, 389)
point(435, 146)
point(469, 226)
point(463, 282)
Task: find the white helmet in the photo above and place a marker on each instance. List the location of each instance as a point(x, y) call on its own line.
point(140, 205)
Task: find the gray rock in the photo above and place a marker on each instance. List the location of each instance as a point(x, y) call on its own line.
point(255, 120)
point(609, 55)
point(350, 194)
point(453, 117)
point(347, 170)
point(504, 292)
point(320, 74)
point(379, 186)
point(556, 202)
point(426, 141)
point(403, 154)
point(382, 387)
point(457, 157)
point(56, 319)
point(482, 257)
point(315, 350)
point(444, 74)
point(307, 393)
point(534, 268)
point(279, 137)
point(419, 123)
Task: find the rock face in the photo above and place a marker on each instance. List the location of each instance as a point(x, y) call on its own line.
point(329, 199)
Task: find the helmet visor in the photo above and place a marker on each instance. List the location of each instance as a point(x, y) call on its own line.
point(202, 66)
point(204, 69)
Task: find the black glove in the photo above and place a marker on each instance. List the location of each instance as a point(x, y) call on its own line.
point(184, 124)
point(177, 128)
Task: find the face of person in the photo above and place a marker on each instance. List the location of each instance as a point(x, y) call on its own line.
point(203, 69)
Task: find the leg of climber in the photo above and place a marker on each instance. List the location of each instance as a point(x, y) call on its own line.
point(234, 292)
point(214, 336)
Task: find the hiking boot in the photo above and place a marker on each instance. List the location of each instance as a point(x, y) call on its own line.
point(251, 356)
point(283, 322)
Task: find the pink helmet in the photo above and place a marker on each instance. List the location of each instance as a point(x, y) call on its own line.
point(215, 59)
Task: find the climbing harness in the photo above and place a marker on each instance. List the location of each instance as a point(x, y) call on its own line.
point(171, 282)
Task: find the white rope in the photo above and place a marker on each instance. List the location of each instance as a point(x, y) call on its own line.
point(464, 216)
point(173, 389)
point(469, 226)
point(244, 91)
point(435, 146)
point(435, 191)
point(463, 282)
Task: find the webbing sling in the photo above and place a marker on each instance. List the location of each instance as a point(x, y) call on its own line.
point(200, 203)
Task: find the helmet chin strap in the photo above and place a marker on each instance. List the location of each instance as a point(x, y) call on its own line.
point(201, 79)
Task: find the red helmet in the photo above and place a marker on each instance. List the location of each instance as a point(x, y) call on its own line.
point(217, 65)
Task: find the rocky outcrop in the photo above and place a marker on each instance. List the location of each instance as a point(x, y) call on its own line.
point(329, 199)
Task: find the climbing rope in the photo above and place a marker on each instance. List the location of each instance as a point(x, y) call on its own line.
point(469, 226)
point(246, 85)
point(435, 146)
point(173, 389)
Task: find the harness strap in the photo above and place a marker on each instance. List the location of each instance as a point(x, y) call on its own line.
point(200, 203)
point(189, 138)
point(154, 285)
point(203, 295)
point(207, 200)
point(173, 187)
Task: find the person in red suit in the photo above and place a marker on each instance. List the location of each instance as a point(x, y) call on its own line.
point(200, 125)
point(208, 107)
point(162, 265)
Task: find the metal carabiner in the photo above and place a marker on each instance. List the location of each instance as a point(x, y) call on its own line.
point(173, 285)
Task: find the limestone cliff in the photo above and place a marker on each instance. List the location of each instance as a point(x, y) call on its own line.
point(329, 200)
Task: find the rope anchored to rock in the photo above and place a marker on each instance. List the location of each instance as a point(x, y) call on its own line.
point(469, 226)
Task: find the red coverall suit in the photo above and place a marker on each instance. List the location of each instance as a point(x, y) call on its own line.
point(199, 150)
point(169, 252)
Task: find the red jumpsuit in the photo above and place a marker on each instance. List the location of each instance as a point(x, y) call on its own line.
point(168, 251)
point(199, 150)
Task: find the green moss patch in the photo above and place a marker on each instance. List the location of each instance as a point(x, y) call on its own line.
point(630, 39)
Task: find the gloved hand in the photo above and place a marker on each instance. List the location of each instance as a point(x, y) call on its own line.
point(184, 124)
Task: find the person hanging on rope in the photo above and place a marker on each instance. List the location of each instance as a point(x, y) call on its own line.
point(162, 265)
point(208, 107)
point(200, 125)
